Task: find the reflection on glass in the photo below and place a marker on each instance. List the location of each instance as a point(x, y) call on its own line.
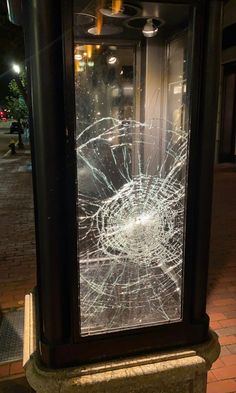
point(104, 78)
point(132, 144)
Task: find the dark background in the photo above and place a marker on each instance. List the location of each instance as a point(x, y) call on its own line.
point(11, 49)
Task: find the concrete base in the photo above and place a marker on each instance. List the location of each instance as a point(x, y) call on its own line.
point(180, 371)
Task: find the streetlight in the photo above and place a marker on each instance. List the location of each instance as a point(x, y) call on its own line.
point(16, 68)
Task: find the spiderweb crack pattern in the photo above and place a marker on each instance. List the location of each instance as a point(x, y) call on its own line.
point(131, 190)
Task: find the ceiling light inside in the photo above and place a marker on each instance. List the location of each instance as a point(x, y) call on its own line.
point(78, 56)
point(112, 60)
point(149, 29)
point(105, 30)
point(126, 11)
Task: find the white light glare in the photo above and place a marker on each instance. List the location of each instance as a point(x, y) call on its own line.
point(16, 68)
point(149, 29)
point(112, 60)
point(78, 57)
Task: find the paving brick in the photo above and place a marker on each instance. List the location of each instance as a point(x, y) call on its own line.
point(224, 302)
point(217, 364)
point(16, 212)
point(215, 325)
point(222, 387)
point(231, 348)
point(225, 372)
point(4, 370)
point(227, 280)
point(228, 331)
point(222, 279)
point(228, 322)
point(16, 368)
point(224, 351)
point(221, 309)
point(230, 314)
point(232, 288)
point(210, 377)
point(227, 340)
point(229, 360)
point(216, 316)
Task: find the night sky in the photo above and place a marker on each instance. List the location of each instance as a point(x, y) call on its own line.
point(11, 49)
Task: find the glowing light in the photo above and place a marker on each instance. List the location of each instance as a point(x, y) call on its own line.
point(77, 66)
point(116, 6)
point(78, 56)
point(89, 49)
point(112, 60)
point(99, 20)
point(149, 29)
point(16, 68)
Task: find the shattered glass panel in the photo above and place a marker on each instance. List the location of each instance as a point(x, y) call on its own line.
point(132, 148)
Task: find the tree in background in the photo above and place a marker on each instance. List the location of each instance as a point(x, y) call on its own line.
point(16, 101)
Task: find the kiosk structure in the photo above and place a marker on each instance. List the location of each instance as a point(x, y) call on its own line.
point(124, 104)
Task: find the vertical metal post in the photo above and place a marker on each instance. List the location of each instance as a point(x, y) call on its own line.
point(207, 122)
point(44, 40)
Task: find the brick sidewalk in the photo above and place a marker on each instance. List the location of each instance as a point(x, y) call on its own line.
point(222, 280)
point(17, 242)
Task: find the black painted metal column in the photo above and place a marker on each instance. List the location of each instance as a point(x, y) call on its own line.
point(207, 127)
point(44, 36)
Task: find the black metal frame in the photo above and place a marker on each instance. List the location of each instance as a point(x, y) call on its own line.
point(49, 38)
point(228, 69)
